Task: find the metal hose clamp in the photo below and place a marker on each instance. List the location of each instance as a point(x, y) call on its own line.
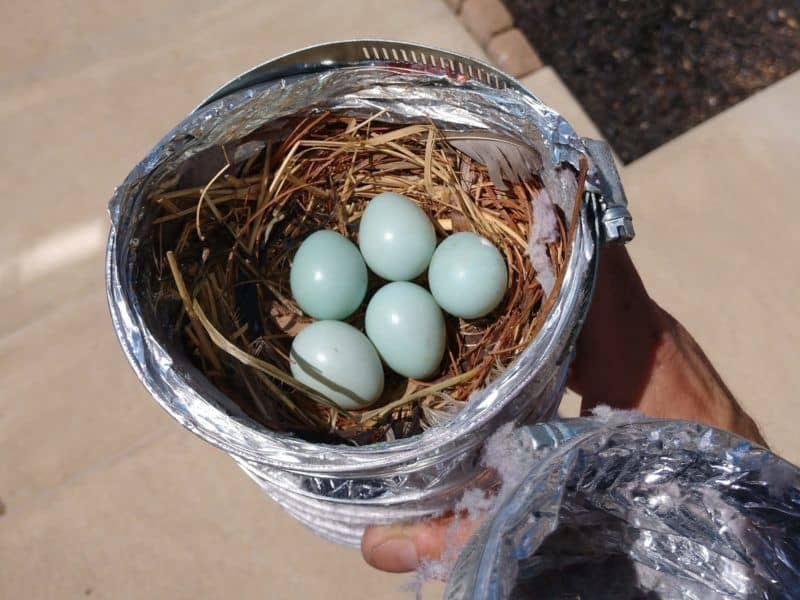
point(616, 220)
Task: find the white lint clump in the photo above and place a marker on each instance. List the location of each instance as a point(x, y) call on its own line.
point(503, 454)
point(606, 414)
point(512, 462)
point(544, 230)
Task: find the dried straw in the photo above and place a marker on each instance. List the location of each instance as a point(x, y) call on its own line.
point(224, 250)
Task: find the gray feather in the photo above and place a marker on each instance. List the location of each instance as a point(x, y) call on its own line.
point(506, 160)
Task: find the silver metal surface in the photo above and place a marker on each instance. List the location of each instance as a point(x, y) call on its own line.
point(380, 53)
point(617, 223)
point(615, 217)
point(634, 508)
point(338, 489)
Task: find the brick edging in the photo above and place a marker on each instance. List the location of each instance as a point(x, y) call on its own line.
point(492, 26)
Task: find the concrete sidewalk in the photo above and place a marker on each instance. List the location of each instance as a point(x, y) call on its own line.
point(105, 496)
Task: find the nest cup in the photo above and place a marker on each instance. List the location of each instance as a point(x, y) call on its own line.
point(338, 489)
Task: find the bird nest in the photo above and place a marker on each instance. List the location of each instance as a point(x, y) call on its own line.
point(223, 251)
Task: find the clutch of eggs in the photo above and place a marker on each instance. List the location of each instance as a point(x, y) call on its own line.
point(404, 324)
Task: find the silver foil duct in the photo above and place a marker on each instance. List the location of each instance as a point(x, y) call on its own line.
point(338, 489)
point(633, 508)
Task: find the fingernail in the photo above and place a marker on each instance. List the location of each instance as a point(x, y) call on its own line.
point(396, 555)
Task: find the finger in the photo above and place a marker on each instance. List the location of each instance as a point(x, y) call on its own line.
point(402, 548)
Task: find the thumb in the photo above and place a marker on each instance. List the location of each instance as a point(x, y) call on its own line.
point(402, 548)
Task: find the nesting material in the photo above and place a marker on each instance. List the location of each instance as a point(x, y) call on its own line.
point(223, 250)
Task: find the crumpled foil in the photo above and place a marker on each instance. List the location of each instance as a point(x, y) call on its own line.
point(339, 489)
point(636, 508)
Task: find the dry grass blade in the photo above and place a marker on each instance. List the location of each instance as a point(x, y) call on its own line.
point(256, 363)
point(430, 390)
point(210, 203)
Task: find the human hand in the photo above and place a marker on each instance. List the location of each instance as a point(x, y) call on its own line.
point(631, 354)
point(404, 547)
point(634, 355)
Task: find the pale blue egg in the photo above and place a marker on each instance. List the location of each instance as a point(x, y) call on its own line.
point(328, 276)
point(338, 361)
point(407, 327)
point(396, 237)
point(467, 276)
